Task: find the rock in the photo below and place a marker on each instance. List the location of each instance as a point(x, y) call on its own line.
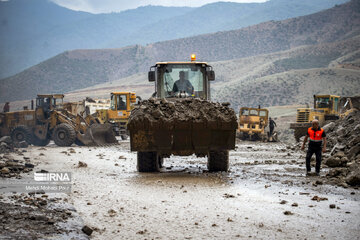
point(23, 144)
point(288, 213)
point(353, 178)
point(354, 151)
point(87, 230)
point(82, 164)
point(335, 162)
point(357, 128)
point(339, 154)
point(340, 131)
point(283, 202)
point(29, 165)
point(294, 205)
point(5, 170)
point(336, 172)
point(6, 139)
point(329, 127)
point(318, 199)
point(332, 206)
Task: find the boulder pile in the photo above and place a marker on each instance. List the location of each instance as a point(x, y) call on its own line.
point(343, 138)
point(10, 167)
point(7, 145)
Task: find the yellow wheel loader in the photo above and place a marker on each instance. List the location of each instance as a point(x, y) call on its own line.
point(118, 115)
point(49, 121)
point(252, 123)
point(326, 107)
point(180, 119)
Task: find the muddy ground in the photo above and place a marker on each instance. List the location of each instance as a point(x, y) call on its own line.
point(265, 195)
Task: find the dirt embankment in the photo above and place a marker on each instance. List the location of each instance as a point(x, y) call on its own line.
point(343, 138)
point(177, 113)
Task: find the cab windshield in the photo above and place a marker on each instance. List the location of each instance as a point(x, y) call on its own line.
point(118, 102)
point(187, 79)
point(322, 103)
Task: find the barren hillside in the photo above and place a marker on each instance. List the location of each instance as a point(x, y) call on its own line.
point(83, 68)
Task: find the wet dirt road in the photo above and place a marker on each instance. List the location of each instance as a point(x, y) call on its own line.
point(184, 201)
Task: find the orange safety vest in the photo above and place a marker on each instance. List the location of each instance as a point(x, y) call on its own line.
point(315, 136)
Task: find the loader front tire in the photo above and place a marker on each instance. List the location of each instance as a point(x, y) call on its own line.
point(64, 135)
point(40, 142)
point(148, 162)
point(21, 133)
point(218, 161)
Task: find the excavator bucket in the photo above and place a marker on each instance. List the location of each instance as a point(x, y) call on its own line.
point(98, 134)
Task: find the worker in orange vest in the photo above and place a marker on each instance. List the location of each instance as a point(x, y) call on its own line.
point(317, 145)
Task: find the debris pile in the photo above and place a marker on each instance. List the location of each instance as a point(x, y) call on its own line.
point(343, 138)
point(7, 145)
point(36, 216)
point(10, 167)
point(177, 113)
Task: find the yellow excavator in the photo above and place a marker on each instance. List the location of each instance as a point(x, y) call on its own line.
point(118, 115)
point(50, 121)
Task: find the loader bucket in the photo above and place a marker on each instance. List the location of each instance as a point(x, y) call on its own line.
point(98, 134)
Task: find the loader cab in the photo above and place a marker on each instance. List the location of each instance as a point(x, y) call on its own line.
point(51, 102)
point(45, 103)
point(182, 79)
point(121, 104)
point(329, 104)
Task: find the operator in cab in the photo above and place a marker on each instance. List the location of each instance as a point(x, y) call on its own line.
point(183, 84)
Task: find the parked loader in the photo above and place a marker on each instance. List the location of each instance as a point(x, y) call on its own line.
point(118, 114)
point(326, 107)
point(252, 124)
point(50, 121)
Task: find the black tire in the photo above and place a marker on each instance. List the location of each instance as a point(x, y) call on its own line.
point(124, 137)
point(218, 161)
point(40, 142)
point(78, 142)
point(298, 133)
point(21, 133)
point(64, 135)
point(148, 162)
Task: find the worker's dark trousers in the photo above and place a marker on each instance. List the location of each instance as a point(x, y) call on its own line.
point(271, 130)
point(309, 154)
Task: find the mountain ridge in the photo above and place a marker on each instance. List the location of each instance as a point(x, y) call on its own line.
point(29, 38)
point(77, 69)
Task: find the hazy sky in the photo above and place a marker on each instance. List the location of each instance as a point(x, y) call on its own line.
point(100, 6)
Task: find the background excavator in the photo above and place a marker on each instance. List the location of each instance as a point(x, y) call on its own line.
point(50, 121)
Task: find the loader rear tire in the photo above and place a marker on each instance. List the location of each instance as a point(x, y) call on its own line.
point(21, 133)
point(148, 162)
point(64, 135)
point(40, 142)
point(218, 161)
